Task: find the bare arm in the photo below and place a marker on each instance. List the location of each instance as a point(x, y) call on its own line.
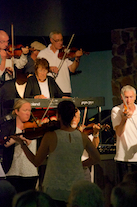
point(12, 141)
point(96, 141)
point(75, 63)
point(96, 128)
point(42, 152)
point(94, 156)
point(119, 129)
point(74, 66)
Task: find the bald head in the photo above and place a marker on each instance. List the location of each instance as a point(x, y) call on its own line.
point(3, 34)
point(4, 39)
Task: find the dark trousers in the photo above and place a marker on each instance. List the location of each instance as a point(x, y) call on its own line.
point(125, 167)
point(22, 183)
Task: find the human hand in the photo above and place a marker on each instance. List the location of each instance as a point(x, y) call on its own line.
point(67, 97)
point(25, 50)
point(96, 128)
point(127, 115)
point(40, 97)
point(43, 121)
point(54, 69)
point(20, 139)
point(9, 70)
point(79, 53)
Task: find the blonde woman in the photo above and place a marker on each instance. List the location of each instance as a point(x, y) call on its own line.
point(20, 172)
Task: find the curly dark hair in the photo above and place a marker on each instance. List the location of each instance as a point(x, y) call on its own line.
point(66, 109)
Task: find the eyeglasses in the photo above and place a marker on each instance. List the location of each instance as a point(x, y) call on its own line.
point(58, 40)
point(2, 41)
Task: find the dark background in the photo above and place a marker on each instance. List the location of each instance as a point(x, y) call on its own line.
point(90, 20)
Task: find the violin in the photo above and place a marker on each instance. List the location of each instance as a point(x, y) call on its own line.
point(35, 133)
point(89, 128)
point(38, 122)
point(16, 52)
point(30, 125)
point(38, 132)
point(70, 52)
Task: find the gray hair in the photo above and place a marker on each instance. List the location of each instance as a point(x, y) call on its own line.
point(54, 32)
point(128, 88)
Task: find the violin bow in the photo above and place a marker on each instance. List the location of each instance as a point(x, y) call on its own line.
point(12, 43)
point(84, 117)
point(62, 61)
point(12, 57)
point(46, 111)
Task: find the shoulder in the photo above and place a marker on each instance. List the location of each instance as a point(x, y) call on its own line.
point(117, 108)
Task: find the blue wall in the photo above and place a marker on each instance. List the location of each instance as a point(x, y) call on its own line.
point(95, 79)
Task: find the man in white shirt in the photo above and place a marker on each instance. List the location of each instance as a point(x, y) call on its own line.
point(124, 120)
point(7, 65)
point(61, 75)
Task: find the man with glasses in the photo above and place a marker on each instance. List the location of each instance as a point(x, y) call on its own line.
point(62, 75)
point(6, 65)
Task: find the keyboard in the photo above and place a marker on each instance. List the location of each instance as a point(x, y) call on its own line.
point(79, 102)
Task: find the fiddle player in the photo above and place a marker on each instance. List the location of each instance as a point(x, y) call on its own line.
point(124, 123)
point(18, 169)
point(51, 54)
point(63, 147)
point(6, 66)
point(93, 137)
